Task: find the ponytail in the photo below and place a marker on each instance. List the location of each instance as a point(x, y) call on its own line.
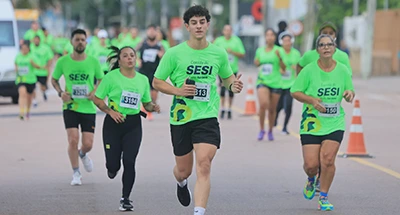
point(114, 56)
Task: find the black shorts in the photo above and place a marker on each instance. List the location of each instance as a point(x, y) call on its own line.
point(73, 119)
point(42, 80)
point(307, 139)
point(199, 131)
point(29, 87)
point(223, 88)
point(272, 90)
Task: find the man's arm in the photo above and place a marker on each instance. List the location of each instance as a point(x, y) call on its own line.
point(164, 87)
point(56, 86)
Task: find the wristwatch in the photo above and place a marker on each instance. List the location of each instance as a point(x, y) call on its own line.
point(59, 93)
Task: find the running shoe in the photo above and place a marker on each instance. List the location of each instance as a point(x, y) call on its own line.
point(270, 136)
point(111, 175)
point(285, 131)
point(261, 135)
point(324, 204)
point(317, 186)
point(44, 96)
point(222, 114)
point(76, 179)
point(125, 205)
point(87, 163)
point(229, 115)
point(309, 189)
point(184, 195)
point(21, 118)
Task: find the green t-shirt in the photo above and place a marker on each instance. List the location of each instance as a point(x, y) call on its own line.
point(124, 94)
point(339, 55)
point(25, 69)
point(49, 40)
point(30, 34)
point(58, 44)
point(236, 45)
point(115, 42)
point(269, 70)
point(129, 41)
point(290, 60)
point(181, 62)
point(79, 78)
point(43, 54)
point(329, 87)
point(101, 53)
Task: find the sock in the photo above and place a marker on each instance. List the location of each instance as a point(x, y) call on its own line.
point(311, 179)
point(323, 195)
point(182, 183)
point(21, 111)
point(81, 154)
point(76, 170)
point(199, 211)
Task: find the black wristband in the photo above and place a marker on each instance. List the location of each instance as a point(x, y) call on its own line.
point(59, 93)
point(230, 87)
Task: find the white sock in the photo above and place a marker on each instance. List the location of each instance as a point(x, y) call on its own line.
point(199, 211)
point(182, 183)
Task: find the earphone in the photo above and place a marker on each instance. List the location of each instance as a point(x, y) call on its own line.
point(286, 33)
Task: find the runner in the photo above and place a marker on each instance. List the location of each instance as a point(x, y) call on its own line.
point(321, 86)
point(44, 57)
point(80, 71)
point(151, 51)
point(34, 31)
point(282, 26)
point(311, 56)
point(122, 129)
point(101, 51)
point(192, 67)
point(269, 84)
point(26, 79)
point(290, 57)
point(234, 46)
point(162, 37)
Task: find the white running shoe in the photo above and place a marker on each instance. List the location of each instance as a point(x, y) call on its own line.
point(87, 163)
point(76, 179)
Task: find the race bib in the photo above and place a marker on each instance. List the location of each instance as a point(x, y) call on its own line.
point(266, 69)
point(202, 92)
point(23, 70)
point(150, 55)
point(332, 110)
point(130, 100)
point(80, 91)
point(287, 75)
point(231, 58)
point(103, 59)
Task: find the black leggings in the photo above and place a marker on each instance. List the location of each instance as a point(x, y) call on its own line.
point(125, 139)
point(285, 102)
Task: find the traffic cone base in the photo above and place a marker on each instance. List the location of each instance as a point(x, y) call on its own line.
point(250, 107)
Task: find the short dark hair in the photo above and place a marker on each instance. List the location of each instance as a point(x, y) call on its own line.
point(78, 31)
point(44, 29)
point(196, 10)
point(36, 36)
point(152, 26)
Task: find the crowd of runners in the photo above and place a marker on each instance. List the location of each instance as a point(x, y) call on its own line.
point(123, 76)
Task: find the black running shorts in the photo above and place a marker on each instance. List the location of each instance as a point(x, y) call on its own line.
point(73, 119)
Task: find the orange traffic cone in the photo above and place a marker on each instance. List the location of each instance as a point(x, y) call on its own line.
point(250, 108)
point(356, 146)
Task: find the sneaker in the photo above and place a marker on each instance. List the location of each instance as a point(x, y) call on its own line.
point(184, 195)
point(317, 186)
point(261, 135)
point(35, 104)
point(125, 205)
point(44, 96)
point(324, 204)
point(309, 189)
point(87, 163)
point(270, 136)
point(111, 175)
point(27, 115)
point(76, 179)
point(222, 114)
point(229, 115)
point(21, 118)
point(285, 131)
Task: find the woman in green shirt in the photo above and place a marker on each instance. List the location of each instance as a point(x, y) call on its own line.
point(321, 86)
point(125, 89)
point(26, 79)
point(269, 83)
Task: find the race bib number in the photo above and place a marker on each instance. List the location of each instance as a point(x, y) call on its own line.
point(150, 55)
point(332, 110)
point(80, 91)
point(103, 59)
point(231, 58)
point(202, 92)
point(266, 69)
point(23, 70)
point(130, 100)
point(287, 75)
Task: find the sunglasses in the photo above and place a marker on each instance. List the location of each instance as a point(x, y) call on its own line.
point(321, 45)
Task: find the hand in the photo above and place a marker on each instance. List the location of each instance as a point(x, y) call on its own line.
point(161, 52)
point(117, 117)
point(91, 96)
point(318, 106)
point(156, 108)
point(294, 67)
point(187, 90)
point(282, 71)
point(348, 96)
point(237, 84)
point(66, 97)
point(229, 51)
point(256, 62)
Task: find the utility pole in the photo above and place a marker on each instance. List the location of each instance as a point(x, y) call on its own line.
point(386, 5)
point(123, 13)
point(356, 4)
point(366, 54)
point(233, 16)
point(164, 14)
point(309, 24)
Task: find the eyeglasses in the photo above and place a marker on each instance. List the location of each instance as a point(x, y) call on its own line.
point(321, 45)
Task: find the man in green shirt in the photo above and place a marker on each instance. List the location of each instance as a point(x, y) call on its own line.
point(31, 33)
point(193, 67)
point(234, 46)
point(80, 72)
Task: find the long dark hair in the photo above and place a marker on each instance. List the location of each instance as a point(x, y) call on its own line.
point(114, 56)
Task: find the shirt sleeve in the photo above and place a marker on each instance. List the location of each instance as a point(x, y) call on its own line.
point(103, 89)
point(305, 59)
point(58, 69)
point(146, 96)
point(225, 71)
point(166, 67)
point(302, 82)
